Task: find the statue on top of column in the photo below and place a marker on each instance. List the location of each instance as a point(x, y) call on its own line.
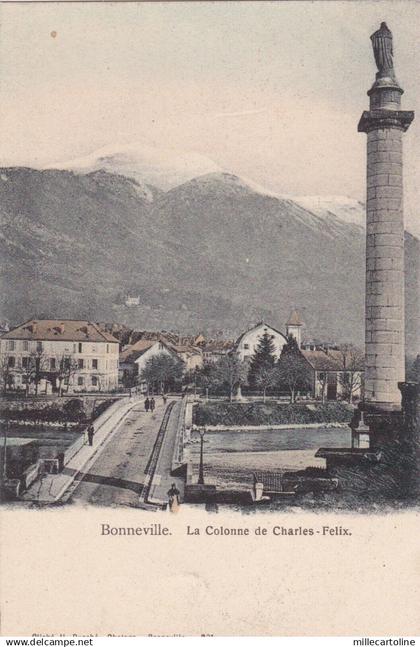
point(382, 49)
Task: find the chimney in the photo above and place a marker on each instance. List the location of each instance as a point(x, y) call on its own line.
point(84, 330)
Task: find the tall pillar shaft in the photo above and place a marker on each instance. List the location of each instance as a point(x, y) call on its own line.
point(384, 316)
point(384, 124)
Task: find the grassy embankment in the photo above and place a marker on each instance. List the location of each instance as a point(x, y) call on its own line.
point(270, 413)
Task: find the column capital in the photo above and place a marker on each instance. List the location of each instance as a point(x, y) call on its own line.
point(375, 119)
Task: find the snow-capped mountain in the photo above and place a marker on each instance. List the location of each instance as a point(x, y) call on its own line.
point(346, 209)
point(162, 168)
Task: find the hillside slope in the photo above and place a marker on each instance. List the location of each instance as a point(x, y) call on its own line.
point(213, 253)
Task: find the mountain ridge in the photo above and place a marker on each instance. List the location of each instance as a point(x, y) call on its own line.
point(211, 253)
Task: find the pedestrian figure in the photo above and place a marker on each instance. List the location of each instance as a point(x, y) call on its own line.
point(90, 433)
point(164, 398)
point(146, 404)
point(152, 405)
point(174, 501)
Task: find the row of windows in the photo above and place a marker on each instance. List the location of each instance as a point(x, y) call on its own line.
point(247, 346)
point(93, 380)
point(52, 364)
point(81, 381)
point(39, 346)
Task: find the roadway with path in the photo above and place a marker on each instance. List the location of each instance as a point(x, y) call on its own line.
point(117, 475)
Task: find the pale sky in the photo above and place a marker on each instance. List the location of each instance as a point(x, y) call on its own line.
point(272, 91)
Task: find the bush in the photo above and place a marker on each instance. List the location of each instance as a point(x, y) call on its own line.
point(101, 407)
point(74, 410)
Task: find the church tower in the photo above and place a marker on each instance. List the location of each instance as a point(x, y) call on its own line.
point(294, 327)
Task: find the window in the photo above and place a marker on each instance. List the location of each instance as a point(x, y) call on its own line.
point(246, 346)
point(80, 381)
point(11, 345)
point(52, 364)
point(80, 363)
point(39, 346)
point(95, 363)
point(11, 362)
point(80, 347)
point(107, 348)
point(25, 362)
point(25, 345)
point(94, 380)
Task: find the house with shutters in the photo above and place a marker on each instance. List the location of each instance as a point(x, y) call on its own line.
point(55, 355)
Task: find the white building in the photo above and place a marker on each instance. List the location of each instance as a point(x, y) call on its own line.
point(132, 302)
point(248, 341)
point(134, 358)
point(47, 355)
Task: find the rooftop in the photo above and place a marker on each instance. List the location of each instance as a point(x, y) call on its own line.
point(332, 360)
point(133, 352)
point(295, 319)
point(59, 330)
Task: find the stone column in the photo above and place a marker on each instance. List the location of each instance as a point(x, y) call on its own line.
point(384, 124)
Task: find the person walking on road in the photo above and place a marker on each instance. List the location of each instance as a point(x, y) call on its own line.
point(152, 405)
point(174, 500)
point(164, 398)
point(146, 404)
point(90, 433)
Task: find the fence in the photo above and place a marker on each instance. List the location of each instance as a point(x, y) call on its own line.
point(272, 481)
point(178, 456)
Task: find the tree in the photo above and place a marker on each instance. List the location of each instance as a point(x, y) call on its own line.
point(66, 367)
point(413, 370)
point(350, 376)
point(322, 378)
point(33, 369)
point(292, 370)
point(230, 371)
point(161, 371)
point(5, 373)
point(265, 378)
point(202, 377)
point(261, 369)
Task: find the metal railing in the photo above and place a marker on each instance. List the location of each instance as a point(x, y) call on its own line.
point(272, 481)
point(154, 456)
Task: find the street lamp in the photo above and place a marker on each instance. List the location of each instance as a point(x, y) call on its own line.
point(201, 469)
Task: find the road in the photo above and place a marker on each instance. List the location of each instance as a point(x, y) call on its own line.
point(117, 475)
